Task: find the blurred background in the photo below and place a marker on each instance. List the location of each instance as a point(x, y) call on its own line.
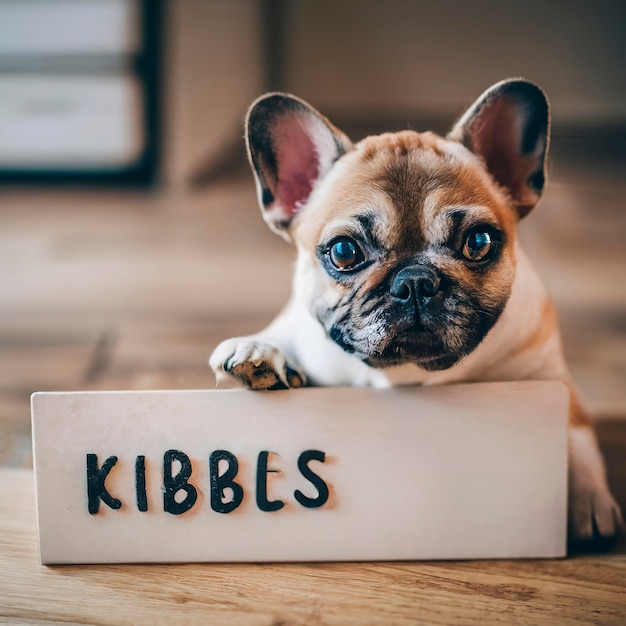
point(130, 238)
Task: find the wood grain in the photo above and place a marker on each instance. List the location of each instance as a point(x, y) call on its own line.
point(586, 589)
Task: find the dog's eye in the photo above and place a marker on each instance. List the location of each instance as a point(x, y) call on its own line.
point(478, 244)
point(345, 254)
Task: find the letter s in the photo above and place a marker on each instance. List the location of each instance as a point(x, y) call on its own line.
point(312, 477)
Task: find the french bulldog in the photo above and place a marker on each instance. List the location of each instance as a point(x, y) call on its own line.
point(409, 270)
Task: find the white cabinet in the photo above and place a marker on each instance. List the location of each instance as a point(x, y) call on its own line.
point(42, 27)
point(69, 122)
point(79, 89)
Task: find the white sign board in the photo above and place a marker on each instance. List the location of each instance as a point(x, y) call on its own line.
point(455, 472)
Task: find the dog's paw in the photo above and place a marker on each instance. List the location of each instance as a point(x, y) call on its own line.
point(595, 518)
point(255, 364)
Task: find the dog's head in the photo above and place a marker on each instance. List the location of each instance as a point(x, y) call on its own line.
point(406, 241)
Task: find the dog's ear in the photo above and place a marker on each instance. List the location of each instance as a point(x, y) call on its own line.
point(508, 127)
point(291, 147)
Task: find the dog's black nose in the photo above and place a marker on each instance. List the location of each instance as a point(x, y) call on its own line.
point(416, 283)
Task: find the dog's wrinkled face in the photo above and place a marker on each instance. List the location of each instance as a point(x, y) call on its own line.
point(407, 251)
point(407, 240)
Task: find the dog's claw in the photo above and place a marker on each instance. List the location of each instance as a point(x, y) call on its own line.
point(294, 378)
point(255, 365)
point(595, 519)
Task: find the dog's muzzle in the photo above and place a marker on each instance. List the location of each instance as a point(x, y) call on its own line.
point(416, 285)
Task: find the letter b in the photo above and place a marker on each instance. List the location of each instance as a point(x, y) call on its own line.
point(173, 484)
point(225, 481)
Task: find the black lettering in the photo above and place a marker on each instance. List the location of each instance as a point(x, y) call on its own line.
point(312, 477)
point(219, 483)
point(173, 484)
point(140, 483)
point(261, 485)
point(96, 489)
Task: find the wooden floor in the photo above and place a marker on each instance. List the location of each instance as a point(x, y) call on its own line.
point(108, 290)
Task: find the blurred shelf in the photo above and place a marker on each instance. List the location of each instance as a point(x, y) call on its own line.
point(79, 91)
